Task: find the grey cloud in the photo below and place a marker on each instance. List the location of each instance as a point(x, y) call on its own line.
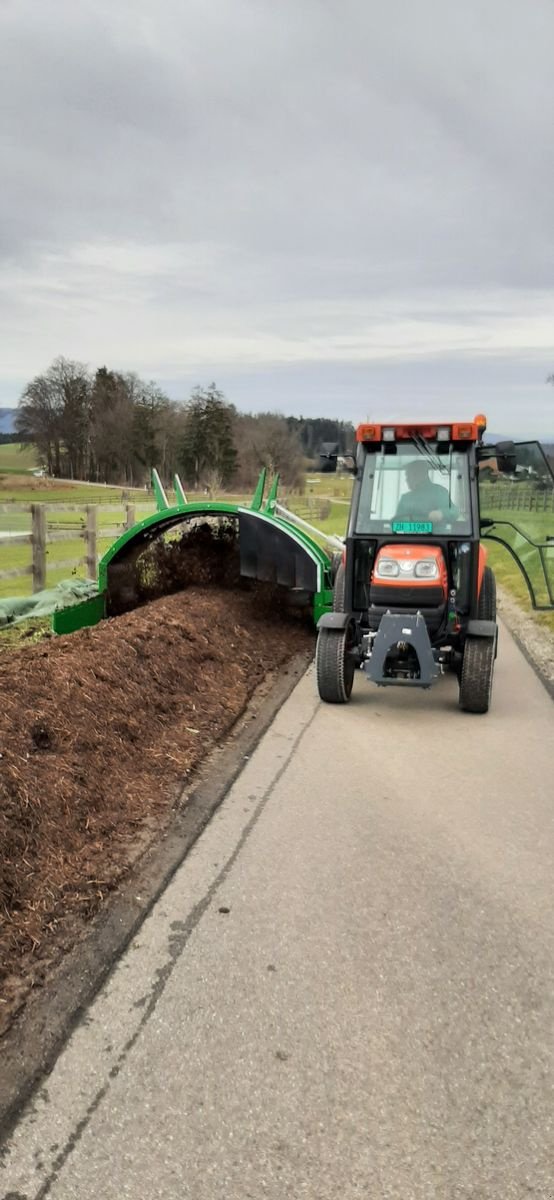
point(328, 156)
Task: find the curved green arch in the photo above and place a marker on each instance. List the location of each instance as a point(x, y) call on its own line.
point(159, 521)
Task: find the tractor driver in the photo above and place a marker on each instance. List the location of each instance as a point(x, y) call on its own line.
point(425, 500)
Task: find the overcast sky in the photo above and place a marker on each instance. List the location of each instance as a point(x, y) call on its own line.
point(335, 207)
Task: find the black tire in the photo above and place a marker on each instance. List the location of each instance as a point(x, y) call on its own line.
point(487, 597)
point(334, 665)
point(456, 665)
point(339, 589)
point(477, 674)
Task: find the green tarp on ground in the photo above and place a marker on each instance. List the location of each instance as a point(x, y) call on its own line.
point(42, 604)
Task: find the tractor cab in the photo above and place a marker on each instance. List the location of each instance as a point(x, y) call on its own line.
point(414, 594)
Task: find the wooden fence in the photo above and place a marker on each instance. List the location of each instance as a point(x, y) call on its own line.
point(311, 508)
point(41, 537)
point(518, 497)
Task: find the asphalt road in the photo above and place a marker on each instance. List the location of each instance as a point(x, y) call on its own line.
point(348, 988)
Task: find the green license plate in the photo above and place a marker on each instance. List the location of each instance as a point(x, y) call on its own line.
point(412, 527)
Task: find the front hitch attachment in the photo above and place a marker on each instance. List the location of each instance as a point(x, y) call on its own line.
point(397, 631)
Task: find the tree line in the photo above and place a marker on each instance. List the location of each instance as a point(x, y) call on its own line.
point(113, 427)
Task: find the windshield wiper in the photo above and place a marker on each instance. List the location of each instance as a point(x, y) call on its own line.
point(425, 449)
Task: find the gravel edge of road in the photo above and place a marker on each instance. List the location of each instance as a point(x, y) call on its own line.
point(32, 1045)
point(535, 641)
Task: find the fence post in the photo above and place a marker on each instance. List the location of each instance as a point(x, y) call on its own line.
point(130, 517)
point(38, 534)
point(90, 537)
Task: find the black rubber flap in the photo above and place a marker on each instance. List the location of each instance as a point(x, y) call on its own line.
point(269, 553)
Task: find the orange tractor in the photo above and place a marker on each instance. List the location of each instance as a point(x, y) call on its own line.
point(413, 594)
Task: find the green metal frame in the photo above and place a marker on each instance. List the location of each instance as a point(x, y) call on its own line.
point(164, 519)
point(79, 616)
point(90, 612)
point(323, 598)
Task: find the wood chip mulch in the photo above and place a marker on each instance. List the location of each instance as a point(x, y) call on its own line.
point(99, 731)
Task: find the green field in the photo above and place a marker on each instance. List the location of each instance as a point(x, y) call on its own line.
point(335, 487)
point(509, 576)
point(58, 520)
point(16, 459)
point(19, 555)
point(537, 527)
point(38, 491)
point(330, 519)
point(325, 502)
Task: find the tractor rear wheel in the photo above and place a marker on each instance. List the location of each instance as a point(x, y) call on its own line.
point(339, 589)
point(335, 665)
point(477, 674)
point(487, 596)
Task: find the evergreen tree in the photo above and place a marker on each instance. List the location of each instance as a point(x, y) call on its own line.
point(208, 450)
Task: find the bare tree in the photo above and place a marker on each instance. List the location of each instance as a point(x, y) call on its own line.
point(266, 441)
point(72, 384)
point(38, 423)
point(115, 426)
point(54, 415)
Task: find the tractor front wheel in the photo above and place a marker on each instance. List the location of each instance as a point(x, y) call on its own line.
point(335, 665)
point(487, 596)
point(477, 674)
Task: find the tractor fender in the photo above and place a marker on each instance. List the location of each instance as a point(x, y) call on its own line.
point(488, 629)
point(335, 620)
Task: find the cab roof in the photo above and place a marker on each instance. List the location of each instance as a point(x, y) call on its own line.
point(442, 431)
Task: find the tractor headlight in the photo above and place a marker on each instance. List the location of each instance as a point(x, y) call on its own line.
point(426, 568)
point(387, 568)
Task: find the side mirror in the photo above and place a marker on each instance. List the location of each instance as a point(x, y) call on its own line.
point(506, 457)
point(327, 463)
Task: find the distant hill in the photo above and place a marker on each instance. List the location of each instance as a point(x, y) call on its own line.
point(7, 418)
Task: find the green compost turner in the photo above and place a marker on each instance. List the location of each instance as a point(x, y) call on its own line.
point(274, 545)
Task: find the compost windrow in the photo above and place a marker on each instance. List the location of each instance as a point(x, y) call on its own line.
point(198, 553)
point(99, 732)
